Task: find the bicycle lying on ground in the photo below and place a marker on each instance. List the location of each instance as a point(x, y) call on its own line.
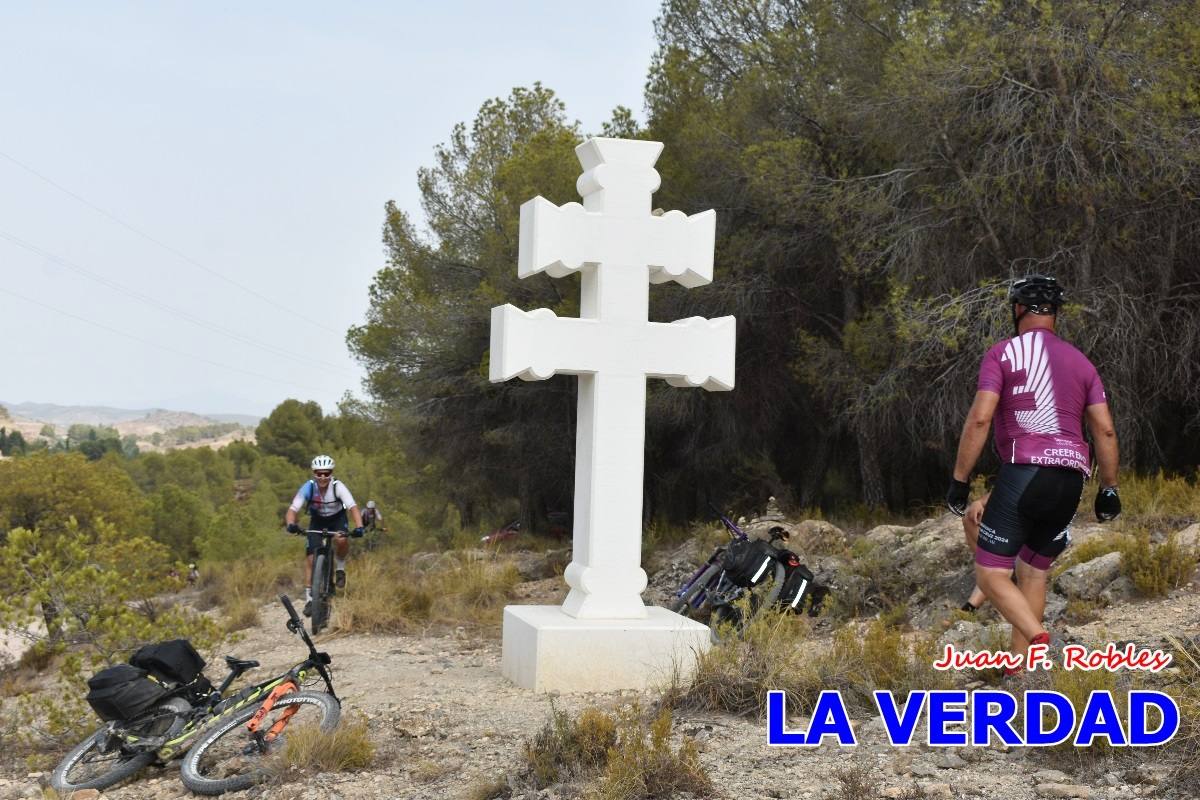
point(323, 588)
point(194, 715)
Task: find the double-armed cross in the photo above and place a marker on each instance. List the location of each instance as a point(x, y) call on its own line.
point(619, 248)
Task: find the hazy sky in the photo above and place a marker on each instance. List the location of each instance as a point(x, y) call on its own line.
point(213, 177)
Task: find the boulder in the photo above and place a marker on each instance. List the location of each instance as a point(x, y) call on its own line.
point(814, 536)
point(1086, 581)
point(886, 535)
point(1119, 591)
point(1189, 536)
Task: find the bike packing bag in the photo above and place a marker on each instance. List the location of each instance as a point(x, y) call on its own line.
point(796, 587)
point(123, 692)
point(174, 660)
point(749, 561)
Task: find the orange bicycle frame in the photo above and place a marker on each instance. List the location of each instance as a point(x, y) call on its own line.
point(279, 691)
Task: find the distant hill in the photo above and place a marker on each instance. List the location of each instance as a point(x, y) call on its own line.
point(150, 419)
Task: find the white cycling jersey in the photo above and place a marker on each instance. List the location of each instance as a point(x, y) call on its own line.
point(336, 498)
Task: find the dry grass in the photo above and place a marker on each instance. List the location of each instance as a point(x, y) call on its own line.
point(1185, 747)
point(387, 594)
point(240, 613)
point(775, 654)
point(488, 789)
point(308, 749)
point(1159, 501)
point(858, 782)
point(569, 747)
point(229, 585)
point(1156, 569)
point(427, 771)
point(644, 765)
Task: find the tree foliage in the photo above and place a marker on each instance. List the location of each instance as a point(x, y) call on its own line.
point(881, 170)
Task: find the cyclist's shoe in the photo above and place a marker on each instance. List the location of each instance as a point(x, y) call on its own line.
point(339, 579)
point(308, 608)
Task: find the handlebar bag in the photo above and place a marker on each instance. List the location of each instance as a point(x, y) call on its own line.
point(748, 561)
point(797, 586)
point(123, 692)
point(174, 660)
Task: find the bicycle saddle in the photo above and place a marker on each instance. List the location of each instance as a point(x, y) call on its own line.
point(239, 664)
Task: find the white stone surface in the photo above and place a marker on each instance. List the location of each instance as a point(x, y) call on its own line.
point(619, 248)
point(547, 650)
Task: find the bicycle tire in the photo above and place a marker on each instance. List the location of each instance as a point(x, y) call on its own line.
point(125, 764)
point(758, 603)
point(683, 605)
point(320, 593)
point(247, 769)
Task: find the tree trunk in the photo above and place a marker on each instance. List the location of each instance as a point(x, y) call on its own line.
point(873, 494)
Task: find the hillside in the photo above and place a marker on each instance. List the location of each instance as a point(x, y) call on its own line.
point(445, 723)
point(154, 429)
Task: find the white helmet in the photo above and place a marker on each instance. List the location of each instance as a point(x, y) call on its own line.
point(370, 504)
point(322, 462)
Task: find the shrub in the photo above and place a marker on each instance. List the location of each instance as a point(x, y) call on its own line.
point(308, 748)
point(1156, 569)
point(568, 747)
point(1088, 550)
point(1158, 499)
point(644, 765)
point(1184, 780)
point(241, 613)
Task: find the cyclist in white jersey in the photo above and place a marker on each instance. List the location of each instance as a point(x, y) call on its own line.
point(329, 501)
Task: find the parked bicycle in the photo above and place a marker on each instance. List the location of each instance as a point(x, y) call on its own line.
point(323, 589)
point(739, 581)
point(161, 704)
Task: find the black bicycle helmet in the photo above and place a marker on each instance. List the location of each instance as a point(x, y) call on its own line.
point(1034, 291)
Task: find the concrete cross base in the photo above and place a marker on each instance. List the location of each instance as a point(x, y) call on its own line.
point(548, 651)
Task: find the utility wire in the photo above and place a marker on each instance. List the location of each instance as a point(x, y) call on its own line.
point(177, 312)
point(291, 312)
point(159, 345)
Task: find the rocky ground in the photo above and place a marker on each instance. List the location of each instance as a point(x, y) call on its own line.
point(443, 719)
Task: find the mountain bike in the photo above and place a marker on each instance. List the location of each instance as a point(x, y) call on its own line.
point(323, 588)
point(121, 748)
point(719, 583)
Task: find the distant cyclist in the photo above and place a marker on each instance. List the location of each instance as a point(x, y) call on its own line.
point(372, 516)
point(1040, 390)
point(329, 501)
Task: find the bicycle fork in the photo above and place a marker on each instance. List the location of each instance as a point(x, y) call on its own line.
point(261, 740)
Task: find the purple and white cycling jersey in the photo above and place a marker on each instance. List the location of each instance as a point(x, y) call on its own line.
point(1044, 385)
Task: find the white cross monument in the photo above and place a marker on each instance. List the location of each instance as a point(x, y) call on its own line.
point(603, 637)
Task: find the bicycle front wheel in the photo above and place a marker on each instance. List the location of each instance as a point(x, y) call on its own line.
point(230, 758)
point(320, 592)
point(683, 605)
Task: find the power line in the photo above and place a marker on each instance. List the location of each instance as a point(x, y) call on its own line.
point(165, 246)
point(178, 312)
point(159, 345)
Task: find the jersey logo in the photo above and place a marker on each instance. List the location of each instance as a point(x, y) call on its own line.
point(1032, 396)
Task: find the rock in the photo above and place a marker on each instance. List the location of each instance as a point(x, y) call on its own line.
point(923, 770)
point(84, 794)
point(535, 566)
point(817, 537)
point(1189, 536)
point(773, 513)
point(1063, 790)
point(937, 791)
point(1118, 591)
point(1051, 776)
point(1086, 581)
point(1056, 606)
point(1148, 773)
point(950, 760)
point(886, 535)
point(1112, 779)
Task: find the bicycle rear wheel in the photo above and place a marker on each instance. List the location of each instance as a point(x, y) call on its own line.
point(230, 758)
point(320, 592)
point(683, 604)
point(103, 760)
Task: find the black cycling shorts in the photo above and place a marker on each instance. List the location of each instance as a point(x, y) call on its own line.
point(337, 522)
point(1028, 516)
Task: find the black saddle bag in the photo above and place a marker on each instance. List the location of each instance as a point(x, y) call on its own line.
point(123, 692)
point(796, 588)
point(174, 660)
point(747, 562)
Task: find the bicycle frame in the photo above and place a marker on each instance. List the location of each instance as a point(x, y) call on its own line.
point(734, 533)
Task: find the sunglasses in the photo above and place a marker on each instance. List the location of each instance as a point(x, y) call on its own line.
point(325, 474)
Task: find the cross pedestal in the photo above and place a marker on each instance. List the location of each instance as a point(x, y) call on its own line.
point(603, 637)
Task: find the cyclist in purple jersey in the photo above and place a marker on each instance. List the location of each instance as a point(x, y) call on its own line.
point(1039, 391)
